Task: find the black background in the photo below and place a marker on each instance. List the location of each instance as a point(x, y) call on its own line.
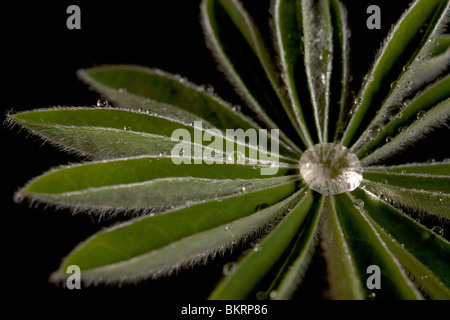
point(39, 59)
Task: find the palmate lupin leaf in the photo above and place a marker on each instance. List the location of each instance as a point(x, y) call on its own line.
point(188, 213)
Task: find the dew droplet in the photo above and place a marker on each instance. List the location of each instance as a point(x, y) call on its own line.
point(359, 204)
point(393, 84)
point(247, 186)
point(102, 103)
point(273, 294)
point(229, 268)
point(236, 108)
point(322, 78)
point(389, 139)
point(438, 230)
point(261, 206)
point(421, 114)
point(127, 128)
point(209, 88)
point(374, 131)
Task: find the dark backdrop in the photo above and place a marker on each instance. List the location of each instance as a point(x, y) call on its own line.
point(39, 61)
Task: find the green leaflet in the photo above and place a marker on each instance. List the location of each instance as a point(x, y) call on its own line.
point(146, 183)
point(152, 245)
point(386, 65)
point(294, 267)
point(318, 46)
point(288, 44)
point(435, 168)
point(422, 191)
point(257, 263)
point(435, 202)
point(166, 95)
point(154, 195)
point(104, 132)
point(341, 71)
point(411, 180)
point(110, 133)
point(342, 272)
point(424, 254)
point(368, 248)
point(121, 83)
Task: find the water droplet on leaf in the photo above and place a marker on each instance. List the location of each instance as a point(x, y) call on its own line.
point(330, 168)
point(102, 103)
point(247, 186)
point(261, 206)
point(229, 268)
point(420, 114)
point(359, 204)
point(401, 129)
